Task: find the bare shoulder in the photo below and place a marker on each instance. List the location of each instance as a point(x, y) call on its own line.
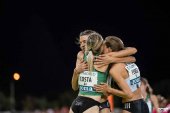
point(119, 68)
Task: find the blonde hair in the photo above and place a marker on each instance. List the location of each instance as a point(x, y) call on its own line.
point(94, 44)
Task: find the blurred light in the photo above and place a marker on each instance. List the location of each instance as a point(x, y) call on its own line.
point(16, 76)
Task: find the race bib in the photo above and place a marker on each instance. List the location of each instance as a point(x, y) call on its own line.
point(134, 76)
point(88, 78)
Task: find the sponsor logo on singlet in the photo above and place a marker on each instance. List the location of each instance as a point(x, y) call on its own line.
point(135, 80)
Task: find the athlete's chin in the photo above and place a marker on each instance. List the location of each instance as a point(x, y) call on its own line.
point(83, 50)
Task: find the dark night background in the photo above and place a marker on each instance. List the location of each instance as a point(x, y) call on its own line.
point(38, 40)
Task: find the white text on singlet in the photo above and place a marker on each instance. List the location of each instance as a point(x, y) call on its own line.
point(134, 76)
point(87, 80)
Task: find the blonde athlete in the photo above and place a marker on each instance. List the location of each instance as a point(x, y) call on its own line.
point(82, 65)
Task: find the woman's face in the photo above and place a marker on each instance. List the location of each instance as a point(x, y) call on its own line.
point(83, 41)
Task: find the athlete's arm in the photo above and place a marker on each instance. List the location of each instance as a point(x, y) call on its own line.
point(116, 73)
point(126, 52)
point(117, 57)
point(80, 67)
point(106, 59)
point(155, 103)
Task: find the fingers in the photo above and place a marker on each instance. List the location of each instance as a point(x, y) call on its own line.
point(98, 88)
point(81, 61)
point(103, 55)
point(83, 65)
point(84, 62)
point(109, 54)
point(102, 83)
point(85, 68)
point(98, 58)
point(98, 63)
point(101, 86)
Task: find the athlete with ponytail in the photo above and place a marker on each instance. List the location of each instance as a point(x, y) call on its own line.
point(88, 99)
point(81, 63)
point(113, 57)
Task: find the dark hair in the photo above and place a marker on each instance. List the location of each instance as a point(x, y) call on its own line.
point(114, 43)
point(85, 32)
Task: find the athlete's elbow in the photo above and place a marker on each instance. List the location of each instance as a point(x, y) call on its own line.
point(74, 88)
point(128, 95)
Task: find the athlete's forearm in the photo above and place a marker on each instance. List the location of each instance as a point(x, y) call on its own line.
point(74, 81)
point(120, 93)
point(124, 59)
point(126, 52)
point(155, 102)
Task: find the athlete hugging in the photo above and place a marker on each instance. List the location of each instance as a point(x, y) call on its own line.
point(98, 61)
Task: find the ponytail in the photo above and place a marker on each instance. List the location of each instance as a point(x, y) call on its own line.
point(90, 61)
point(94, 43)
